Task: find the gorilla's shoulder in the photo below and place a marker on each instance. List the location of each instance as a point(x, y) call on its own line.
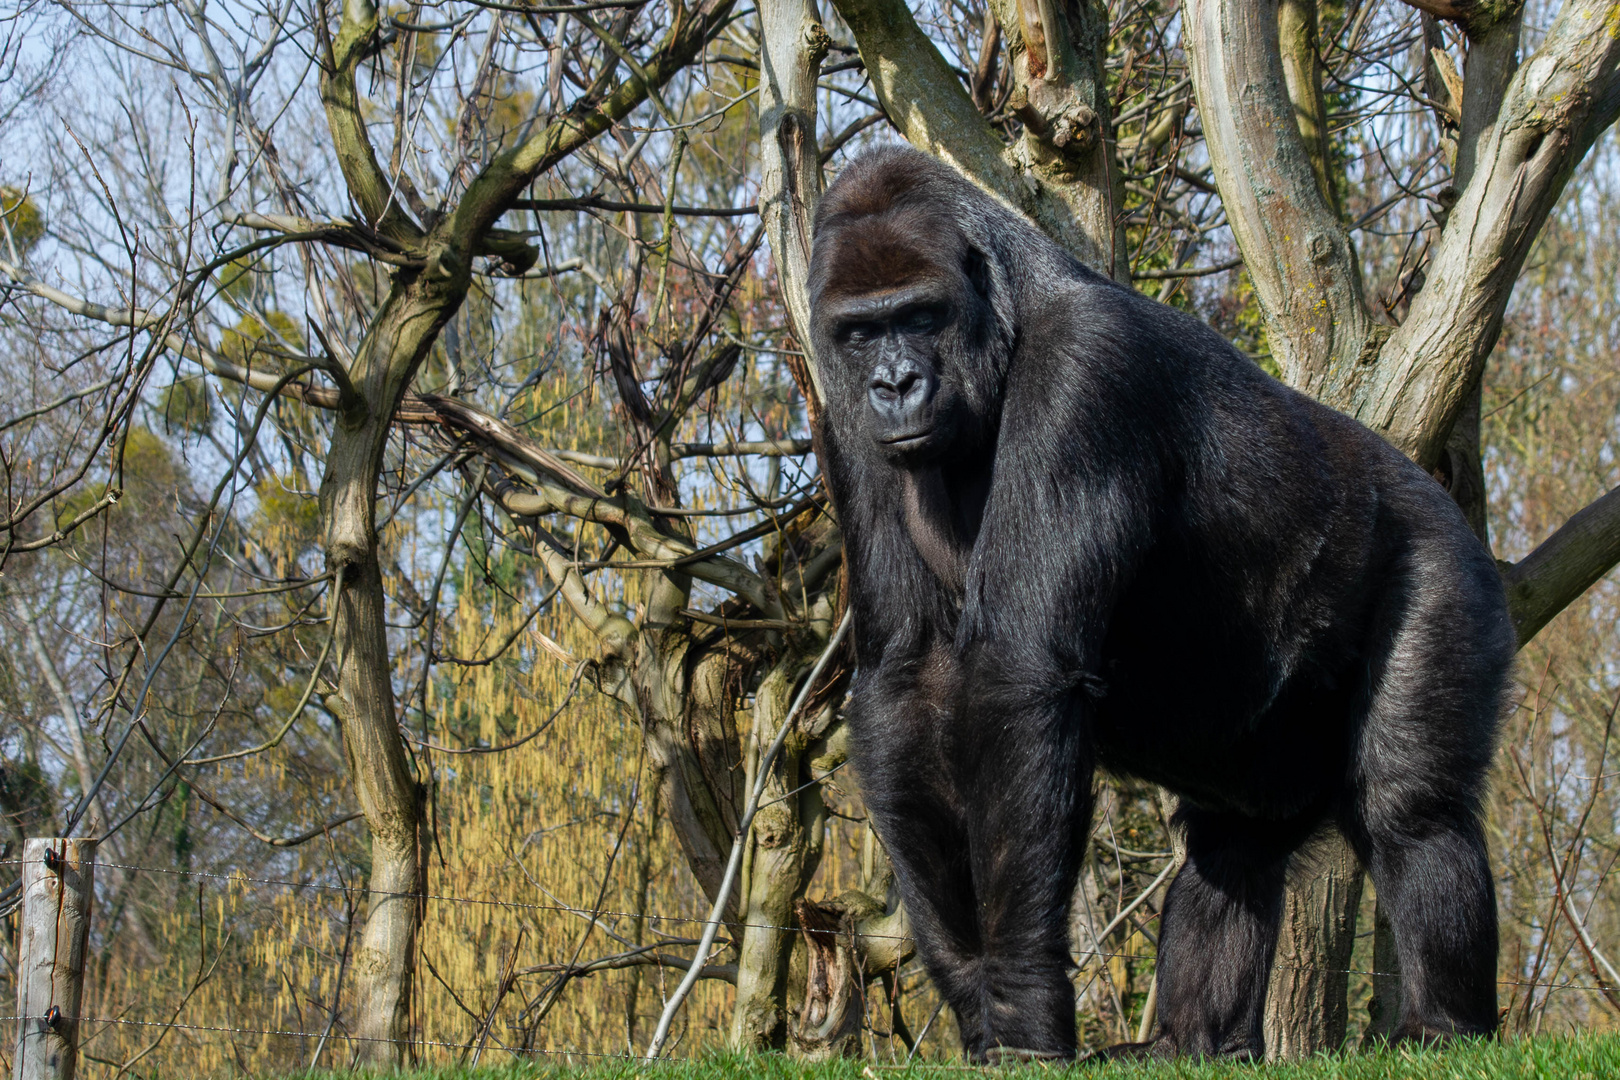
point(1088, 314)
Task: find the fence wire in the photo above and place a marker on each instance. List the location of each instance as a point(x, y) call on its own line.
point(697, 919)
point(335, 1036)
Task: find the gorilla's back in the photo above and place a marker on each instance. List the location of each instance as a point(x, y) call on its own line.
point(1237, 654)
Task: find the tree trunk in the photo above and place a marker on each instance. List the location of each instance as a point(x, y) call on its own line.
point(794, 44)
point(400, 335)
point(1307, 1005)
point(388, 795)
point(848, 942)
point(784, 851)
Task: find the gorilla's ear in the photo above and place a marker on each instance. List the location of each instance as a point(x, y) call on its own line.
point(977, 269)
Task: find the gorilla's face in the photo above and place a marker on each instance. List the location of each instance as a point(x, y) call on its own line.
point(901, 327)
point(892, 341)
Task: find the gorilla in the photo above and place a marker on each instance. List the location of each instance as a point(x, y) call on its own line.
point(1083, 531)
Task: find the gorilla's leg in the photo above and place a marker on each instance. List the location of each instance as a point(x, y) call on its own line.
point(912, 792)
point(1219, 933)
point(1434, 881)
point(1414, 823)
point(984, 809)
point(1422, 750)
point(985, 816)
point(928, 844)
point(1027, 780)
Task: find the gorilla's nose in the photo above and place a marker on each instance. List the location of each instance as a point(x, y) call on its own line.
point(900, 391)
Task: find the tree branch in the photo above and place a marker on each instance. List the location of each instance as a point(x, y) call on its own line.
point(614, 632)
point(1556, 105)
point(1302, 67)
point(1474, 16)
point(1298, 255)
point(614, 206)
point(1564, 566)
point(643, 537)
point(638, 957)
point(368, 184)
point(1056, 53)
point(494, 190)
point(927, 102)
point(794, 44)
point(1493, 58)
point(186, 346)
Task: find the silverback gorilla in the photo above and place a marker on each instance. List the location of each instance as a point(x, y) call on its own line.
point(1084, 531)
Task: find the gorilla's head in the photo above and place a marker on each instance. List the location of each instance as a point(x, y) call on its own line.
point(904, 288)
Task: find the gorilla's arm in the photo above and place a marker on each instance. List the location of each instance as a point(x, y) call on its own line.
point(1078, 469)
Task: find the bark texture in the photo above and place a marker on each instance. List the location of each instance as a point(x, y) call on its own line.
point(1564, 566)
point(829, 1022)
point(1295, 248)
point(783, 854)
point(790, 163)
point(1307, 1001)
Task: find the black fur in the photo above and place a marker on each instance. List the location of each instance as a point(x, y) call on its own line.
point(1084, 531)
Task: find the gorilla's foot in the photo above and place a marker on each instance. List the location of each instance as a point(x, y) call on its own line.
point(1017, 1055)
point(1156, 1048)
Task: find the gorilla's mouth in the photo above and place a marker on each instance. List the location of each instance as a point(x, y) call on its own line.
point(906, 440)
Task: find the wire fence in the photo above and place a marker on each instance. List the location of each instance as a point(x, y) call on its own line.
point(699, 919)
point(577, 909)
point(335, 1035)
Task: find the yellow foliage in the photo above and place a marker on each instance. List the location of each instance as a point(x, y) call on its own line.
point(151, 481)
point(22, 218)
point(187, 404)
point(236, 279)
point(241, 343)
point(499, 111)
point(288, 521)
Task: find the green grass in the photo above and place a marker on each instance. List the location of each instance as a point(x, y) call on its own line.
point(1585, 1057)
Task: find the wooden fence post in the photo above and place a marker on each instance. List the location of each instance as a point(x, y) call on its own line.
point(58, 889)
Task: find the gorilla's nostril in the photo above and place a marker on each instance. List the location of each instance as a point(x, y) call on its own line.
point(898, 390)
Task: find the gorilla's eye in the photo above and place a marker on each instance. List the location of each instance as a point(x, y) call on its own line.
point(919, 320)
point(859, 333)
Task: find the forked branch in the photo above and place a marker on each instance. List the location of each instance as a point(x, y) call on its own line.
point(1556, 105)
point(1298, 254)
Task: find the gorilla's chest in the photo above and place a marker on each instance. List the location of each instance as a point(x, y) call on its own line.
point(942, 509)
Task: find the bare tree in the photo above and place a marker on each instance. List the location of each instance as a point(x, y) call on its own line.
point(397, 227)
point(396, 281)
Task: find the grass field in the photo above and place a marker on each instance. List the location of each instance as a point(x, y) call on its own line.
point(1577, 1058)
